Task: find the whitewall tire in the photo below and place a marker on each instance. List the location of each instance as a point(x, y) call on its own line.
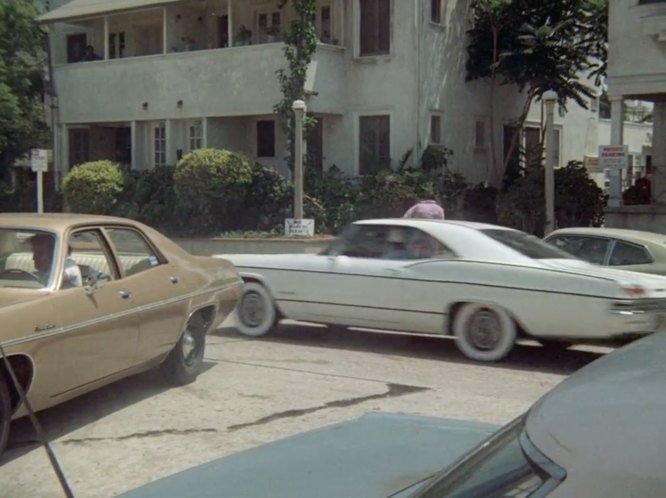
point(484, 332)
point(256, 312)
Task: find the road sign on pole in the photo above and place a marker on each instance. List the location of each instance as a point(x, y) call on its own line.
point(39, 162)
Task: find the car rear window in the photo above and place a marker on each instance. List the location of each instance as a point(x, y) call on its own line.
point(527, 245)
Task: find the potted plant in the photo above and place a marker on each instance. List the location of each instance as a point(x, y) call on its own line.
point(243, 37)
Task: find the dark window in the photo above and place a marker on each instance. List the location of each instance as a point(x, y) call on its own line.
point(591, 249)
point(625, 253)
point(117, 45)
point(374, 144)
point(375, 26)
point(436, 11)
point(79, 146)
point(527, 245)
point(265, 138)
point(76, 45)
point(223, 31)
point(533, 150)
point(435, 129)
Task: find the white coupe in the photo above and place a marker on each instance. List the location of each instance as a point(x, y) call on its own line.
point(483, 284)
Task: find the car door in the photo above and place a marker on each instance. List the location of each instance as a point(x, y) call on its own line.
point(157, 288)
point(100, 323)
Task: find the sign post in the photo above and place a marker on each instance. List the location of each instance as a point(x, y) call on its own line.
point(614, 158)
point(39, 163)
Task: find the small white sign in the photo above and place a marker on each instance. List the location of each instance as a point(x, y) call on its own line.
point(39, 160)
point(613, 156)
point(304, 227)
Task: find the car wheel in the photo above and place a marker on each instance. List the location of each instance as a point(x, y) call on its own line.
point(256, 310)
point(5, 415)
point(185, 361)
point(484, 332)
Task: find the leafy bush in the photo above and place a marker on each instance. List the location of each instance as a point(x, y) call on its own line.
point(92, 187)
point(390, 193)
point(578, 200)
point(267, 200)
point(332, 199)
point(211, 184)
point(479, 203)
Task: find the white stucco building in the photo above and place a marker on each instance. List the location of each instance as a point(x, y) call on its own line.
point(388, 77)
point(637, 70)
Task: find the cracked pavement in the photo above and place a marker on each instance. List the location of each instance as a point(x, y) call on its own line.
point(257, 390)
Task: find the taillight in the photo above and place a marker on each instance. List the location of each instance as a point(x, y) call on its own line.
point(634, 290)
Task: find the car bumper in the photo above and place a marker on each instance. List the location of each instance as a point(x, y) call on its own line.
point(639, 317)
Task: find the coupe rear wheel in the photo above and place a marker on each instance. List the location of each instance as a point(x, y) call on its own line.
point(257, 314)
point(484, 332)
point(5, 415)
point(185, 361)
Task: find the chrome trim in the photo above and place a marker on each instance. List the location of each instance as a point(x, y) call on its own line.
point(638, 306)
point(114, 316)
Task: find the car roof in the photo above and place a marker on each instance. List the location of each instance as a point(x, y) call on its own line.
point(57, 221)
point(619, 233)
point(609, 418)
point(418, 222)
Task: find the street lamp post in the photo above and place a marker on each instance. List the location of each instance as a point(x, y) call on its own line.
point(550, 97)
point(299, 109)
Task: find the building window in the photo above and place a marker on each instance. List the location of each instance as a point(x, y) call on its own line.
point(480, 134)
point(266, 138)
point(195, 135)
point(325, 24)
point(594, 104)
point(375, 27)
point(533, 149)
point(436, 11)
point(79, 146)
point(374, 144)
point(435, 130)
point(117, 45)
point(159, 145)
point(557, 147)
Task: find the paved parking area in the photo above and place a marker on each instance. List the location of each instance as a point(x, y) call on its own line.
point(258, 390)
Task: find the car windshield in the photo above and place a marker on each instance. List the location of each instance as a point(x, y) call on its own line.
point(26, 258)
point(506, 465)
point(527, 245)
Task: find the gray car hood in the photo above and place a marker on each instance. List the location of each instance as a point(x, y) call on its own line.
point(377, 455)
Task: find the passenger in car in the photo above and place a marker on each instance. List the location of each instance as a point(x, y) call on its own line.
point(43, 246)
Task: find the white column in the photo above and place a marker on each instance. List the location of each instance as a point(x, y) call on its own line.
point(659, 153)
point(133, 143)
point(106, 38)
point(165, 40)
point(65, 149)
point(230, 23)
point(169, 137)
point(204, 132)
point(550, 98)
point(617, 138)
point(299, 109)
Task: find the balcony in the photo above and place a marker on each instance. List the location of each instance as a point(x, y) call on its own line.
point(232, 81)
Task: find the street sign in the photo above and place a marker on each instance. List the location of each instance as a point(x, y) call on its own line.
point(39, 160)
point(613, 157)
point(591, 163)
point(303, 227)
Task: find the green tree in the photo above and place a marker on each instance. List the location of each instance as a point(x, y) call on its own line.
point(536, 46)
point(22, 81)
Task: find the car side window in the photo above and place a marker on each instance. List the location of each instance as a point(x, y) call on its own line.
point(412, 243)
point(366, 241)
point(592, 249)
point(626, 253)
point(87, 259)
point(135, 254)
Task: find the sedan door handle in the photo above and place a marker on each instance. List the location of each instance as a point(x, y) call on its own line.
point(174, 279)
point(125, 294)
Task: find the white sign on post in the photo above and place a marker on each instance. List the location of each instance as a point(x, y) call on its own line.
point(39, 160)
point(39, 163)
point(303, 227)
point(613, 156)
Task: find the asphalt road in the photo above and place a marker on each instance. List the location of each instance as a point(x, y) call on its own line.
point(258, 390)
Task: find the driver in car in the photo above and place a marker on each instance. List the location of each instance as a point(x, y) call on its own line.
point(43, 246)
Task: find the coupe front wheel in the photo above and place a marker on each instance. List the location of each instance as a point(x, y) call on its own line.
point(185, 361)
point(257, 314)
point(5, 415)
point(484, 332)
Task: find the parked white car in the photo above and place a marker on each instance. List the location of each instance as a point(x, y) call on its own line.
point(483, 284)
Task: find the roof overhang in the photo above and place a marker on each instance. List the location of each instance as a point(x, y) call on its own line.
point(81, 9)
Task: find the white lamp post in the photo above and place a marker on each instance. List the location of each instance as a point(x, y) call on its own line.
point(299, 109)
point(549, 98)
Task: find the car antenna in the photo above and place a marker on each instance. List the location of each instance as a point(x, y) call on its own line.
point(38, 428)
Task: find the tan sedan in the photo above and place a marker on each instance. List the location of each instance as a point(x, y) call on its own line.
point(87, 300)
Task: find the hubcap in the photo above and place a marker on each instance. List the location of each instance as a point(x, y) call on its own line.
point(252, 309)
point(189, 345)
point(484, 330)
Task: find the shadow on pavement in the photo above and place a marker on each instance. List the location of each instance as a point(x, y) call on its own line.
point(79, 412)
point(525, 356)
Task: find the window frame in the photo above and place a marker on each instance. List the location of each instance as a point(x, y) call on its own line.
point(359, 138)
point(162, 260)
point(377, 50)
point(436, 117)
point(159, 153)
point(111, 257)
point(615, 242)
point(259, 147)
point(197, 125)
point(436, 14)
